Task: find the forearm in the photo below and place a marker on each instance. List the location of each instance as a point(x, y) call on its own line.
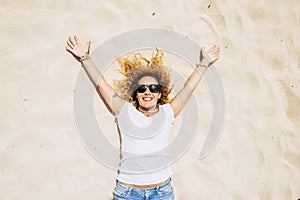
point(92, 71)
point(106, 92)
point(185, 93)
point(206, 59)
point(194, 79)
point(114, 102)
point(191, 84)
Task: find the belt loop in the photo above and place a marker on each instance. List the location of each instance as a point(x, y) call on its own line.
point(157, 190)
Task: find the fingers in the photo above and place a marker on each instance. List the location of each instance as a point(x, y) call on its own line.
point(88, 46)
point(70, 44)
point(76, 39)
point(74, 46)
point(73, 41)
point(214, 49)
point(68, 48)
point(217, 51)
point(210, 56)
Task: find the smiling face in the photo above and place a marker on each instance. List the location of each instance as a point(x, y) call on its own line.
point(147, 99)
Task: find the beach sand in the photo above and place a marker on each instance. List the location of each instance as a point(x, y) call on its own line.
point(258, 154)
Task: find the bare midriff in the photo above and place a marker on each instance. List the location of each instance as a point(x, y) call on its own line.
point(145, 186)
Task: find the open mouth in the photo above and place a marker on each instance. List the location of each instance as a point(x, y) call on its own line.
point(147, 98)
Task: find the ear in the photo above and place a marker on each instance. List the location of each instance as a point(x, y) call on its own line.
point(159, 96)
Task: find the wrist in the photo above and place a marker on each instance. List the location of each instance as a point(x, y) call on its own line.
point(84, 58)
point(201, 65)
point(200, 69)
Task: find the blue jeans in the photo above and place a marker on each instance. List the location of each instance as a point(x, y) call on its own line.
point(162, 192)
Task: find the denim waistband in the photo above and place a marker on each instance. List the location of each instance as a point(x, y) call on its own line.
point(120, 184)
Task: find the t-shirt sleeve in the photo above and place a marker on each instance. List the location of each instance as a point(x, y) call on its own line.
point(169, 111)
point(123, 109)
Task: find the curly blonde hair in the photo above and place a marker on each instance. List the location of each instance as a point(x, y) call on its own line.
point(134, 67)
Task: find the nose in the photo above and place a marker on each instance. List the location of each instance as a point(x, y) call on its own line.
point(147, 91)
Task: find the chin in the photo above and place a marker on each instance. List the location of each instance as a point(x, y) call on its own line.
point(148, 104)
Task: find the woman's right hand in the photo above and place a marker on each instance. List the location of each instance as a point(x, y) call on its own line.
point(77, 49)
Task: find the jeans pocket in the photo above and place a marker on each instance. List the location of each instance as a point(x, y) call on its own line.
point(166, 191)
point(121, 191)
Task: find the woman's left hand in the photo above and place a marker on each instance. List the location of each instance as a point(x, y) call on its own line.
point(207, 58)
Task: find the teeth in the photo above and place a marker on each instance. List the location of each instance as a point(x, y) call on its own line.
point(147, 98)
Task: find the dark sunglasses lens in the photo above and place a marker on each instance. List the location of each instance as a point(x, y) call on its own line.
point(141, 89)
point(154, 88)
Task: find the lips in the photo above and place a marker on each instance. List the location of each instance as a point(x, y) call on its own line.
point(147, 98)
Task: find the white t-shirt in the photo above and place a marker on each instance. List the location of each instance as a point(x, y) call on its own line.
point(145, 155)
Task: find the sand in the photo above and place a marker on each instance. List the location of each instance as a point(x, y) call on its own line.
point(258, 154)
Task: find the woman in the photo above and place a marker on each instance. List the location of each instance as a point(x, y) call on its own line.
point(144, 116)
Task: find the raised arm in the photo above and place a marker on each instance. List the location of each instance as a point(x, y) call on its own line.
point(207, 58)
point(81, 53)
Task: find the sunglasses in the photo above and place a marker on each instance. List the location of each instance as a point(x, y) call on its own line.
point(153, 88)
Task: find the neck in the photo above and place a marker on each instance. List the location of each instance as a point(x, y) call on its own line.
point(149, 110)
